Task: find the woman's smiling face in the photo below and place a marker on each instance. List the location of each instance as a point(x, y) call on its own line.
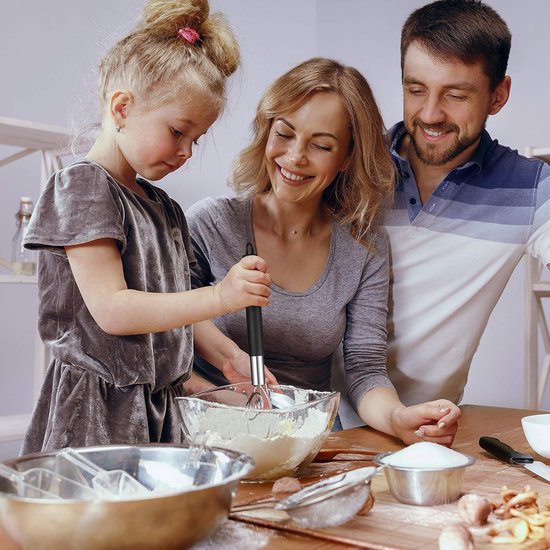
point(306, 148)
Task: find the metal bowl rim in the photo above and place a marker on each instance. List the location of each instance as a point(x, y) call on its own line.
point(247, 461)
point(378, 459)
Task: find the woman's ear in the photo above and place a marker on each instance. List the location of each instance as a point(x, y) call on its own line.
point(345, 164)
point(121, 102)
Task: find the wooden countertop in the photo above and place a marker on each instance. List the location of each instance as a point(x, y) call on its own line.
point(389, 525)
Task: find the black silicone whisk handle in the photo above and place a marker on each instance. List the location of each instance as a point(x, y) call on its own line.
point(255, 337)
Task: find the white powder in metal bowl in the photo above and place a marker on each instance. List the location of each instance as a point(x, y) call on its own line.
point(425, 455)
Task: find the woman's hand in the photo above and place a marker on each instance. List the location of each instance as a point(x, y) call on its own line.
point(247, 283)
point(237, 369)
point(435, 421)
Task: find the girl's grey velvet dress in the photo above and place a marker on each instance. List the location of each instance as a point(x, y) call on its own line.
point(99, 388)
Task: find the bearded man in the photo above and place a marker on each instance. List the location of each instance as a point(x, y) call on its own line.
point(466, 208)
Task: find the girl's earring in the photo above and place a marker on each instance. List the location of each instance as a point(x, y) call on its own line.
point(117, 129)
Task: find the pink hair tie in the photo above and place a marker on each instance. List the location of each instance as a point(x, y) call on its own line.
point(190, 35)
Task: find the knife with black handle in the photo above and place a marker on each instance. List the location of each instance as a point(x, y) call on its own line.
point(505, 453)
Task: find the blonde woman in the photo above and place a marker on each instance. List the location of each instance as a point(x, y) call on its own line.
point(310, 189)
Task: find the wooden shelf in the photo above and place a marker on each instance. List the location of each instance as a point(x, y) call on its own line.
point(19, 279)
point(537, 363)
point(13, 428)
point(542, 153)
point(541, 289)
point(53, 142)
point(32, 135)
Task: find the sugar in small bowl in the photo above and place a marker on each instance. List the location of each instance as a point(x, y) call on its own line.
point(537, 432)
point(424, 473)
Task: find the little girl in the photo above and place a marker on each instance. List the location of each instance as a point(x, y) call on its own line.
point(116, 309)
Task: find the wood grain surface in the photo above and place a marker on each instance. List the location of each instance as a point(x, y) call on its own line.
point(390, 525)
point(393, 525)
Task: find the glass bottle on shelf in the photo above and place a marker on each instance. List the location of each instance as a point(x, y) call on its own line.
point(23, 261)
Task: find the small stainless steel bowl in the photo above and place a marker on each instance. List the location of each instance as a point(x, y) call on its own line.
point(169, 521)
point(424, 486)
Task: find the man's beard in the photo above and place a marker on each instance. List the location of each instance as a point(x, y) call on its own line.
point(430, 155)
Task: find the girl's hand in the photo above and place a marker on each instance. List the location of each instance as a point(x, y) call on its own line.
point(237, 369)
point(435, 421)
point(246, 284)
point(196, 384)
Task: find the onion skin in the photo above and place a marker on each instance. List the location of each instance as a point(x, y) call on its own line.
point(456, 537)
point(286, 485)
point(474, 509)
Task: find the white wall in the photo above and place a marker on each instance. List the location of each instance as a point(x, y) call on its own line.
point(49, 51)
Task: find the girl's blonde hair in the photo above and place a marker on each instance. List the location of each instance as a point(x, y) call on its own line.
point(356, 196)
point(155, 61)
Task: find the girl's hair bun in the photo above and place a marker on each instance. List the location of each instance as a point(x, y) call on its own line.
point(177, 43)
point(165, 17)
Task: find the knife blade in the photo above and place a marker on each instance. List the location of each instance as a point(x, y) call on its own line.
point(505, 453)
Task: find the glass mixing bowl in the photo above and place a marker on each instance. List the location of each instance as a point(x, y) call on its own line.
point(280, 440)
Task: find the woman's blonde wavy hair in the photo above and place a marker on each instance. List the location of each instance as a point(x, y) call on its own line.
point(357, 195)
point(155, 62)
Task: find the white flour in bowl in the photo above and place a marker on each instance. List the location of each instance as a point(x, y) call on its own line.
point(277, 444)
point(425, 455)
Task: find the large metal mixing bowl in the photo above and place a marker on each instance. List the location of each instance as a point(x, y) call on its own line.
point(168, 521)
point(280, 440)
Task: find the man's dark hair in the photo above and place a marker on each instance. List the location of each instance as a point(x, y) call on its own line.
point(467, 30)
